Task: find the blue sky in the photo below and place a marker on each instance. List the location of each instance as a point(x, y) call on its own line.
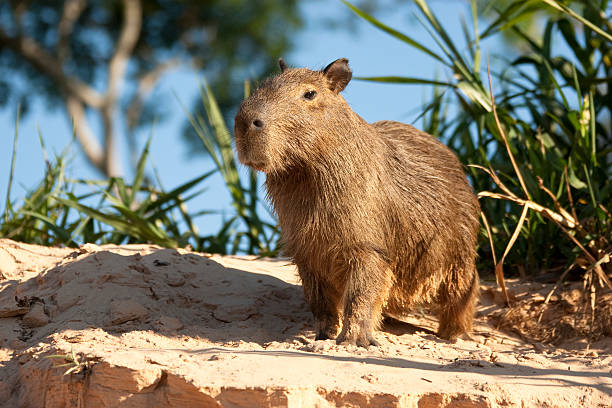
point(370, 52)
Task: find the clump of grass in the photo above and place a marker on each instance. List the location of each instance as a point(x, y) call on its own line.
point(59, 211)
point(72, 361)
point(66, 211)
point(538, 145)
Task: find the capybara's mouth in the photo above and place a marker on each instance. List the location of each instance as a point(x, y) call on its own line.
point(244, 158)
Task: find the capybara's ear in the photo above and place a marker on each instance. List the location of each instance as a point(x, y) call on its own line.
point(282, 64)
point(339, 74)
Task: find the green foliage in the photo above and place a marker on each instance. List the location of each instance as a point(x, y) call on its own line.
point(57, 211)
point(554, 110)
point(63, 211)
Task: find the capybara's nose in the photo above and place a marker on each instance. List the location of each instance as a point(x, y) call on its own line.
point(258, 124)
point(241, 124)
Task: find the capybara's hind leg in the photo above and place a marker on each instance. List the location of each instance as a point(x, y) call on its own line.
point(457, 299)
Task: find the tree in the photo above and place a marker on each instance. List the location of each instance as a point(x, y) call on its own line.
point(106, 56)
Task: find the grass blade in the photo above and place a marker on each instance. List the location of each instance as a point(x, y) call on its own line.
point(7, 205)
point(140, 170)
point(403, 80)
point(566, 10)
point(503, 135)
point(394, 33)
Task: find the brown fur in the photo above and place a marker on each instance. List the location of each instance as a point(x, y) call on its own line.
point(377, 217)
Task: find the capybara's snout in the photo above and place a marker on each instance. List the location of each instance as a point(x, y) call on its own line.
point(249, 132)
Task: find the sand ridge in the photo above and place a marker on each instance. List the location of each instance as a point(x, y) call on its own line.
point(173, 328)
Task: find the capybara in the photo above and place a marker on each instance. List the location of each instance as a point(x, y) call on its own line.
point(377, 217)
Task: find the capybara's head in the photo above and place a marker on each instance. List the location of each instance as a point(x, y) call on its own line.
point(293, 117)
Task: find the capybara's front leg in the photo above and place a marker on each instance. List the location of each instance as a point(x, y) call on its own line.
point(369, 280)
point(324, 300)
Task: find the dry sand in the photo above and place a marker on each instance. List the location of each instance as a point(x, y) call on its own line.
point(153, 327)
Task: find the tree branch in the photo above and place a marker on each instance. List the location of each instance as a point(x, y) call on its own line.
point(112, 164)
point(72, 11)
point(36, 55)
point(130, 31)
point(79, 95)
point(19, 8)
point(89, 143)
point(128, 37)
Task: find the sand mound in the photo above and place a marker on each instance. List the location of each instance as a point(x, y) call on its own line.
point(142, 326)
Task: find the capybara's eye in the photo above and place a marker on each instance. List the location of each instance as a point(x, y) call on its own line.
point(310, 95)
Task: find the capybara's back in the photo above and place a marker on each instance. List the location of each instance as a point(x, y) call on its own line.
point(437, 217)
point(377, 217)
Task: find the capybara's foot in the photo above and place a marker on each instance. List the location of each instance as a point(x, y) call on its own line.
point(358, 335)
point(326, 329)
point(450, 332)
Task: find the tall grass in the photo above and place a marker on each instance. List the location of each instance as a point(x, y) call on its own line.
point(66, 211)
point(536, 132)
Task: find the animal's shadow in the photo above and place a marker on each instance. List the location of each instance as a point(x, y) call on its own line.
point(398, 327)
point(222, 304)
